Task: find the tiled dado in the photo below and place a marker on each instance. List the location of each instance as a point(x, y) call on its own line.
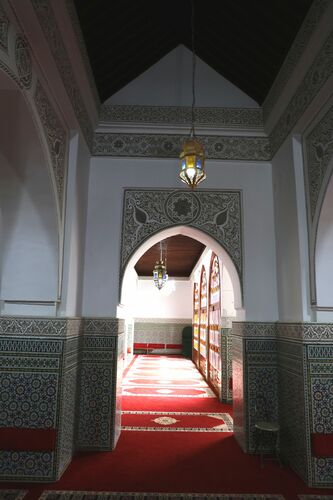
point(99, 419)
point(38, 378)
point(290, 365)
point(226, 365)
point(254, 367)
point(305, 353)
point(161, 334)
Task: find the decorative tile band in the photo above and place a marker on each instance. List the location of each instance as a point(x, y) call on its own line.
point(242, 118)
point(253, 329)
point(12, 494)
point(102, 495)
point(216, 213)
point(306, 332)
point(39, 326)
point(186, 321)
point(100, 326)
point(169, 146)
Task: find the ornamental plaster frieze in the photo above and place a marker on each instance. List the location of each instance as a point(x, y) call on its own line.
point(319, 152)
point(226, 118)
point(217, 213)
point(4, 25)
point(56, 138)
point(17, 63)
point(310, 24)
point(318, 167)
point(50, 28)
point(317, 75)
point(169, 146)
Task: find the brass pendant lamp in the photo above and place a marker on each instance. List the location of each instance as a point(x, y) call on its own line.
point(192, 155)
point(160, 275)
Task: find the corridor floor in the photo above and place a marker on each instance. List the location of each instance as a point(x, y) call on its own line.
point(176, 438)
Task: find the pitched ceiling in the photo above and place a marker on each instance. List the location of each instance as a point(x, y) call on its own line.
point(182, 255)
point(244, 41)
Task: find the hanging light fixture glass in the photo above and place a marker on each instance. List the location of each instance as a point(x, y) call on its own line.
point(192, 155)
point(160, 275)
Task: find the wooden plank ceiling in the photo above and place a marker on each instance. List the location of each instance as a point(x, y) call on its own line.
point(245, 41)
point(182, 255)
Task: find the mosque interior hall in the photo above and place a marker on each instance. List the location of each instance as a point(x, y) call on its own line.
point(166, 263)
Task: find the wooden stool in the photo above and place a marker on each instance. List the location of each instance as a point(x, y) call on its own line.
point(267, 428)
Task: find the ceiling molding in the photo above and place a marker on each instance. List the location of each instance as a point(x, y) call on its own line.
point(300, 43)
point(317, 75)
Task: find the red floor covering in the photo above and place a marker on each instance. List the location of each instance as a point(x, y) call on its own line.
point(201, 462)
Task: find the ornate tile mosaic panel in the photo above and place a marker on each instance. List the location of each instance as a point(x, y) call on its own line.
point(38, 361)
point(216, 213)
point(238, 391)
point(226, 361)
point(26, 465)
point(159, 333)
point(255, 387)
point(102, 353)
point(28, 400)
point(293, 443)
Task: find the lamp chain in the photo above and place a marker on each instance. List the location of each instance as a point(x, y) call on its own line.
point(193, 69)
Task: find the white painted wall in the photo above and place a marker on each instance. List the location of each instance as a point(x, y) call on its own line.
point(169, 83)
point(287, 235)
point(108, 177)
point(174, 300)
point(29, 239)
point(75, 227)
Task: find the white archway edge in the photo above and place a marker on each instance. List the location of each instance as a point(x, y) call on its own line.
point(206, 240)
point(323, 250)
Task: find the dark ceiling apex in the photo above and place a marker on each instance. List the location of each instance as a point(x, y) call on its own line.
point(244, 41)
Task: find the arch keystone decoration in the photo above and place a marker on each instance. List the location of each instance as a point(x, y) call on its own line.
point(218, 213)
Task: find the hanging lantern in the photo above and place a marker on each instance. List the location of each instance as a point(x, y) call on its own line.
point(193, 163)
point(192, 170)
point(160, 275)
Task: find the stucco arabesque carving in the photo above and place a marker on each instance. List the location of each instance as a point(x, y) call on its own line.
point(216, 213)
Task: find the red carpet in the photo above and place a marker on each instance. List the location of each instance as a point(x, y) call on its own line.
point(175, 461)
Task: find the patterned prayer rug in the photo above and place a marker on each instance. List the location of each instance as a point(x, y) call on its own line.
point(92, 495)
point(165, 377)
point(315, 497)
point(12, 494)
point(176, 421)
